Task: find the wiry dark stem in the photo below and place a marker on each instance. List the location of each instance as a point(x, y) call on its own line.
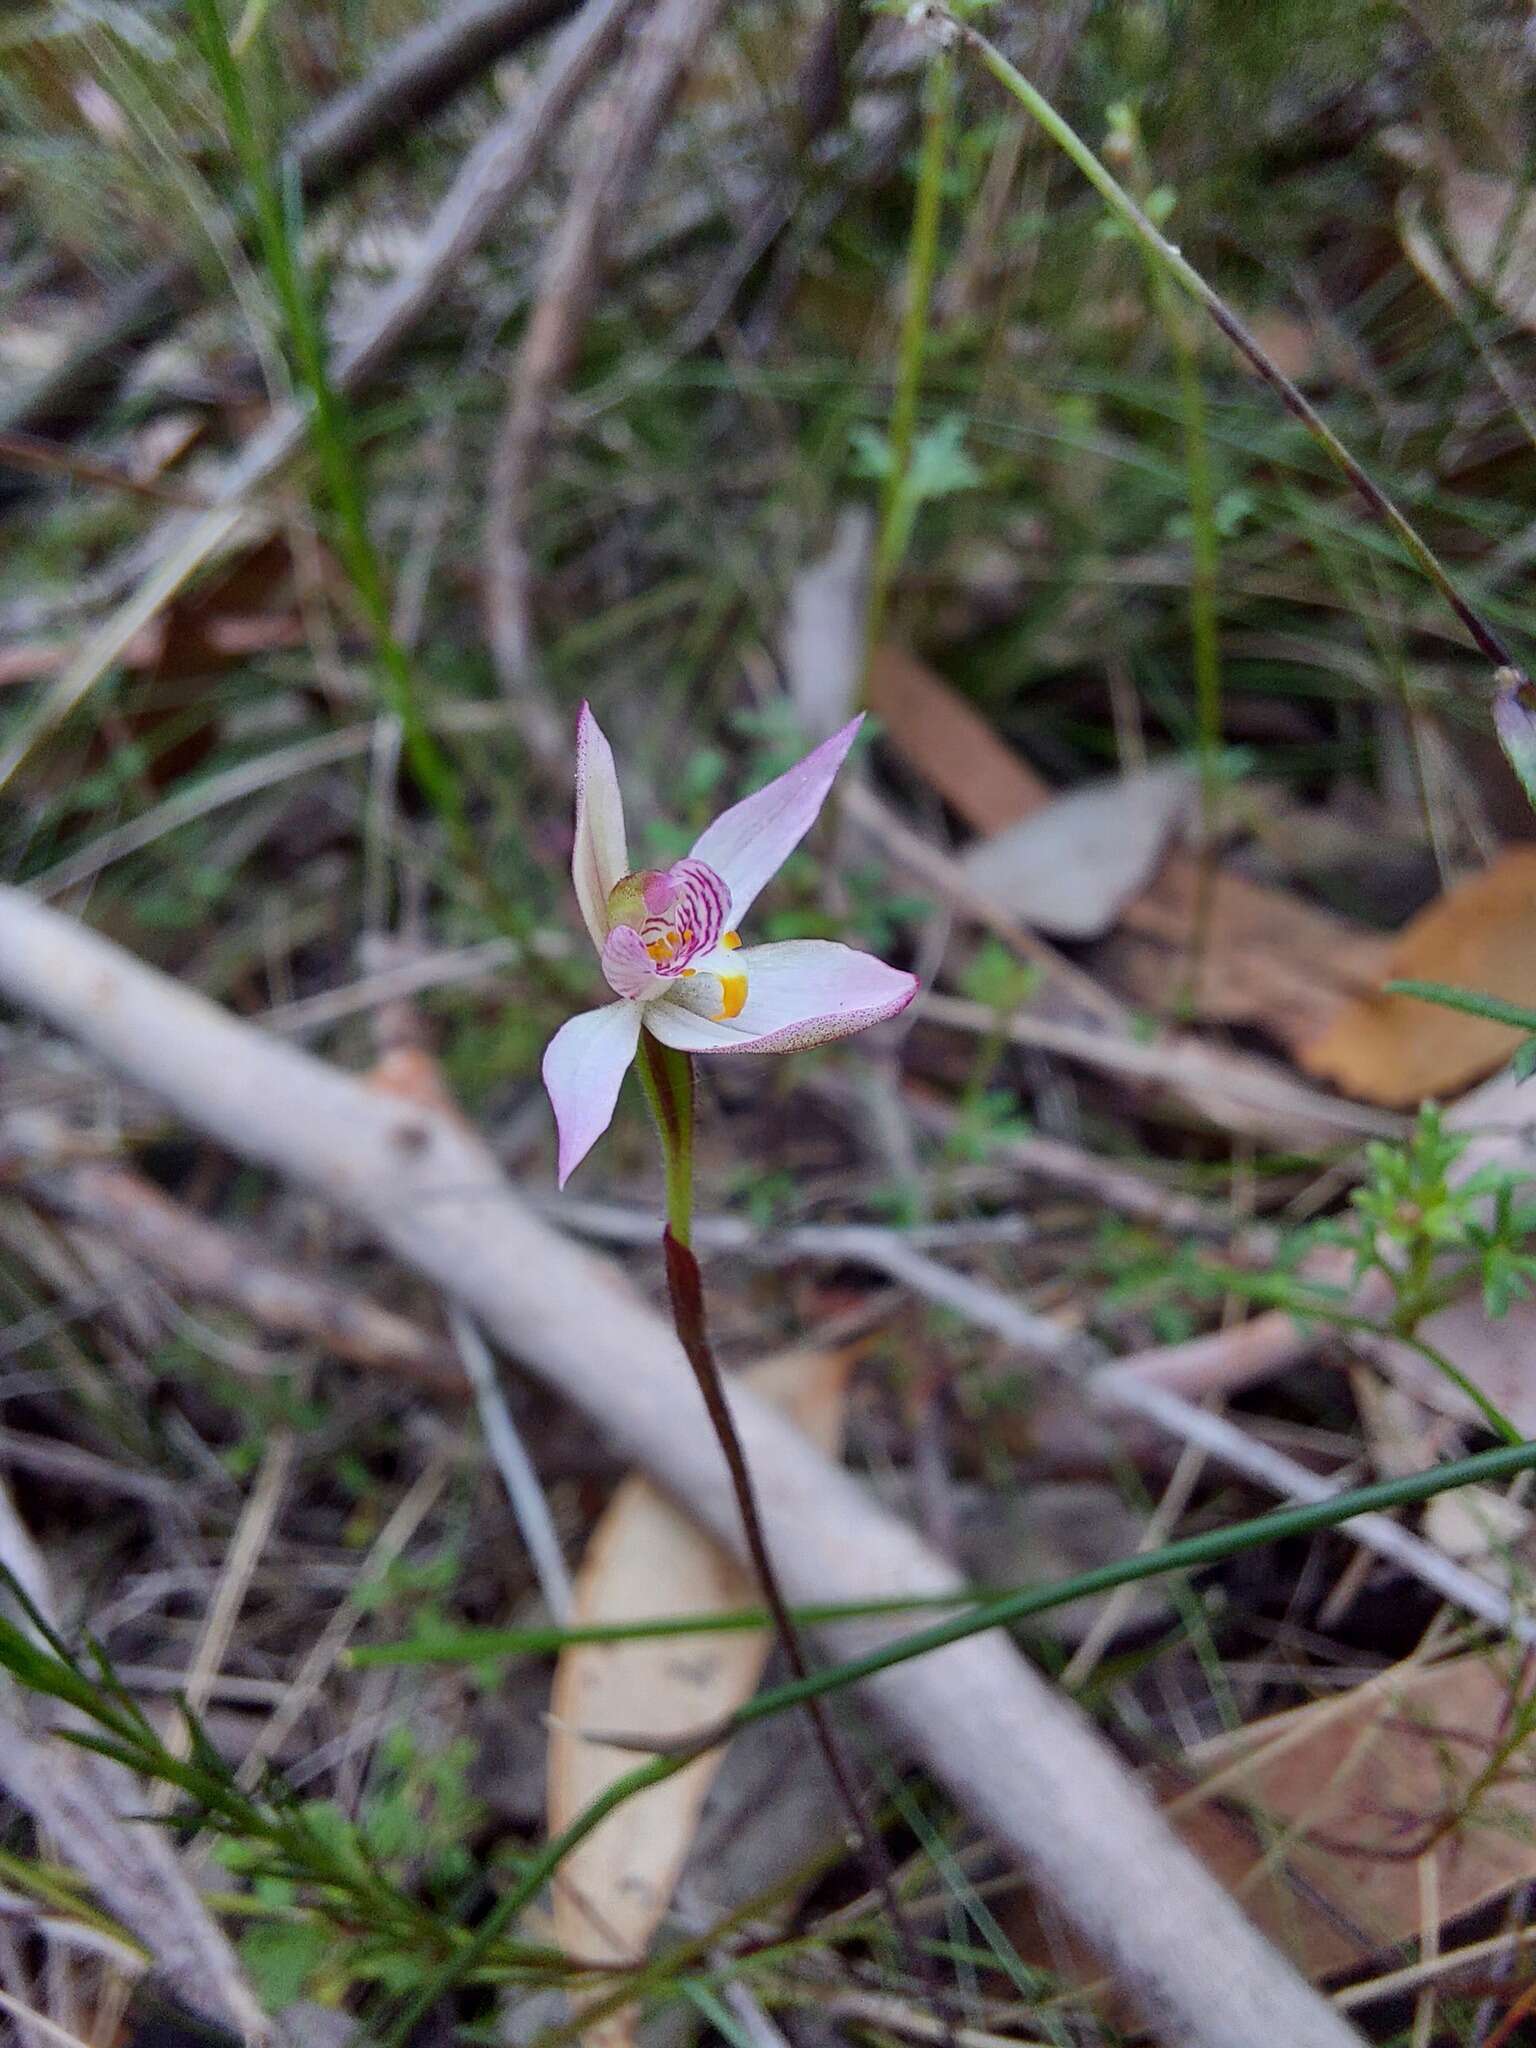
point(668, 1080)
point(685, 1288)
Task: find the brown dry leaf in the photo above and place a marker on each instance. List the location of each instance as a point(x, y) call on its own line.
point(1270, 959)
point(1396, 1050)
point(1339, 1800)
point(950, 745)
point(1497, 1354)
point(1318, 1819)
point(1071, 868)
point(646, 1557)
point(822, 646)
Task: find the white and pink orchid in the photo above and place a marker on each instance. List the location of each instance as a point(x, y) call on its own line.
point(670, 952)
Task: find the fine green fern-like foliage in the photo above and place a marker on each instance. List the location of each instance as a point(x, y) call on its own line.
point(1432, 1236)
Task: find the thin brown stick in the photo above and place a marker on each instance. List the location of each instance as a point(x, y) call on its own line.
point(1235, 1091)
point(212, 1263)
point(41, 457)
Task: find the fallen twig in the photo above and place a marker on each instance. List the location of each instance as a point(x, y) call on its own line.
point(88, 1807)
point(1270, 1468)
point(213, 1263)
point(1235, 1091)
point(530, 1509)
point(1126, 1389)
point(420, 74)
point(1122, 1187)
point(897, 2016)
point(1009, 1747)
point(619, 1223)
point(492, 175)
point(1224, 1361)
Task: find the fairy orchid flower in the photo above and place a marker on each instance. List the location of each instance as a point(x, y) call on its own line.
point(669, 948)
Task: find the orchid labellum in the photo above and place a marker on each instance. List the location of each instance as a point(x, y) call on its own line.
point(667, 939)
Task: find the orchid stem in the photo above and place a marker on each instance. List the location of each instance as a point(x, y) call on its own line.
point(667, 1078)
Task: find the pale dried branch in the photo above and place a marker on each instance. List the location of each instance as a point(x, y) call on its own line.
point(1014, 1753)
point(1128, 1189)
point(1279, 1474)
point(212, 1263)
point(518, 1473)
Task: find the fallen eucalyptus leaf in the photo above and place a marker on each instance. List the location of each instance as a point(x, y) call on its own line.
point(1398, 1050)
point(647, 1557)
point(1071, 869)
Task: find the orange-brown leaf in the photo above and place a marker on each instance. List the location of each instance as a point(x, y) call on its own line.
point(1398, 1050)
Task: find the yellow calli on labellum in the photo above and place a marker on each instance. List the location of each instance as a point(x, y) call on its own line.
point(670, 952)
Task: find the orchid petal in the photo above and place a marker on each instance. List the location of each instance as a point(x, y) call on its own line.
point(799, 994)
point(584, 1067)
point(599, 857)
point(748, 844)
point(628, 968)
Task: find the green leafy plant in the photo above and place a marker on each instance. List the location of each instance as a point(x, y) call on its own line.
point(1433, 1237)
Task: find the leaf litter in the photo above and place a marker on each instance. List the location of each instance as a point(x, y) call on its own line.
point(1330, 1819)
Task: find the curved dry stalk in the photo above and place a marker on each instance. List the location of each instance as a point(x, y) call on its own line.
point(1015, 1754)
